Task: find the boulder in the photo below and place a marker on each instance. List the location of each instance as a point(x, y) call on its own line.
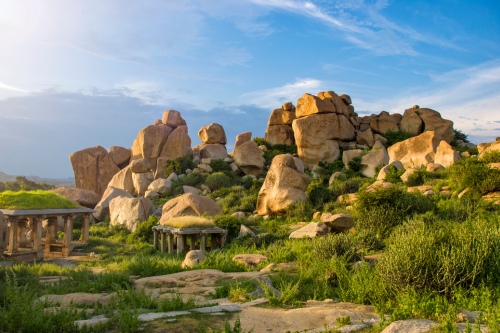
point(193, 258)
point(314, 130)
point(383, 123)
point(141, 182)
point(141, 165)
point(309, 104)
point(120, 155)
point(446, 155)
point(244, 230)
point(433, 121)
point(172, 118)
point(284, 185)
point(161, 186)
point(375, 159)
point(213, 133)
point(123, 180)
point(249, 158)
point(410, 326)
point(346, 99)
point(241, 138)
point(299, 164)
point(381, 139)
point(397, 117)
point(149, 143)
point(191, 205)
point(340, 106)
point(190, 189)
point(93, 169)
point(365, 138)
point(288, 106)
point(405, 177)
point(84, 198)
point(378, 185)
point(336, 175)
point(415, 152)
point(488, 147)
point(178, 144)
point(102, 207)
point(214, 151)
point(281, 117)
point(338, 222)
point(249, 260)
point(279, 134)
point(348, 155)
point(383, 172)
point(411, 122)
point(128, 212)
point(311, 230)
point(434, 167)
point(327, 152)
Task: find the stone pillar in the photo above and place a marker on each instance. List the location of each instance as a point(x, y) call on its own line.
point(37, 236)
point(180, 243)
point(50, 235)
point(12, 247)
point(85, 228)
point(203, 242)
point(4, 233)
point(163, 242)
point(68, 235)
point(170, 243)
point(155, 238)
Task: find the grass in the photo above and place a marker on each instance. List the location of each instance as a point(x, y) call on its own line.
point(189, 222)
point(38, 199)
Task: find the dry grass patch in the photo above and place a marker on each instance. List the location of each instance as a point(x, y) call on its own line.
point(189, 222)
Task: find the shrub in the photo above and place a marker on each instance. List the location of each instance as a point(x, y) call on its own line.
point(394, 175)
point(21, 183)
point(421, 177)
point(352, 185)
point(218, 180)
point(230, 223)
point(355, 164)
point(235, 199)
point(396, 136)
point(459, 135)
point(336, 245)
point(247, 181)
point(442, 255)
point(475, 174)
point(179, 165)
point(273, 150)
point(317, 193)
point(382, 209)
point(144, 231)
point(490, 157)
point(219, 165)
point(193, 179)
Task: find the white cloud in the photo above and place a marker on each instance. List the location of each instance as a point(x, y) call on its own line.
point(274, 97)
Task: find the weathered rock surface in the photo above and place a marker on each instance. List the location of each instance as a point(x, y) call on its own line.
point(149, 143)
point(410, 326)
point(128, 212)
point(433, 121)
point(161, 186)
point(488, 147)
point(281, 117)
point(120, 155)
point(249, 260)
point(309, 104)
point(140, 165)
point(213, 133)
point(123, 180)
point(446, 155)
point(102, 207)
point(415, 152)
point(242, 138)
point(141, 182)
point(178, 144)
point(338, 222)
point(411, 122)
point(375, 159)
point(214, 151)
point(191, 205)
point(93, 169)
point(84, 198)
point(311, 230)
point(365, 138)
point(279, 134)
point(384, 123)
point(284, 185)
point(172, 118)
point(348, 155)
point(249, 158)
point(193, 258)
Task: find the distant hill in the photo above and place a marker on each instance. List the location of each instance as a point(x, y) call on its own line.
point(58, 182)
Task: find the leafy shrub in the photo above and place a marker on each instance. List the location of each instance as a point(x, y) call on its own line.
point(421, 177)
point(459, 135)
point(355, 164)
point(317, 193)
point(352, 185)
point(218, 180)
point(235, 199)
point(490, 156)
point(230, 223)
point(475, 174)
point(442, 255)
point(382, 209)
point(193, 179)
point(394, 175)
point(144, 231)
point(396, 136)
point(273, 150)
point(300, 211)
point(219, 165)
point(342, 244)
point(179, 165)
point(247, 181)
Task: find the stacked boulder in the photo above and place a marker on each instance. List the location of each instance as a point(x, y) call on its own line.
point(247, 156)
point(284, 185)
point(321, 122)
point(213, 147)
point(279, 127)
point(168, 139)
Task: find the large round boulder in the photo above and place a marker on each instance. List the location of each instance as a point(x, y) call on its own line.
point(191, 205)
point(84, 198)
point(213, 133)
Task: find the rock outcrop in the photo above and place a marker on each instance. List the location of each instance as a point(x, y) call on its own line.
point(249, 158)
point(213, 133)
point(446, 155)
point(284, 185)
point(415, 152)
point(311, 230)
point(120, 156)
point(279, 127)
point(129, 212)
point(84, 198)
point(93, 168)
point(102, 207)
point(190, 205)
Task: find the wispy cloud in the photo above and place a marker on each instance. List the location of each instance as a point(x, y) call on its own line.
point(12, 88)
point(273, 98)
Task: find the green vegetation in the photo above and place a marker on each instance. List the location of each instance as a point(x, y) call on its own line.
point(396, 136)
point(190, 222)
point(34, 200)
point(23, 184)
point(218, 180)
point(179, 165)
point(273, 150)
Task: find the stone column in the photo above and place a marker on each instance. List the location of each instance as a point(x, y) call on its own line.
point(4, 233)
point(12, 247)
point(180, 243)
point(155, 238)
point(192, 241)
point(203, 242)
point(163, 242)
point(68, 235)
point(37, 237)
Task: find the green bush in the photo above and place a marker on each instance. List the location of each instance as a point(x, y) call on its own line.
point(396, 136)
point(475, 174)
point(490, 156)
point(247, 181)
point(355, 164)
point(194, 179)
point(317, 193)
point(179, 165)
point(218, 180)
point(381, 209)
point(421, 177)
point(273, 150)
point(341, 187)
point(219, 165)
point(338, 245)
point(235, 198)
point(443, 255)
point(459, 135)
point(394, 175)
point(230, 223)
point(144, 231)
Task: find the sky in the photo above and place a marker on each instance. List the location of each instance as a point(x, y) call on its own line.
point(77, 74)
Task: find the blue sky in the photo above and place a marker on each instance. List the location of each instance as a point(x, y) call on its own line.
point(76, 74)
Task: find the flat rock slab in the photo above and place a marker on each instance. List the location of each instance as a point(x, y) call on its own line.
point(410, 326)
point(92, 321)
point(78, 298)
